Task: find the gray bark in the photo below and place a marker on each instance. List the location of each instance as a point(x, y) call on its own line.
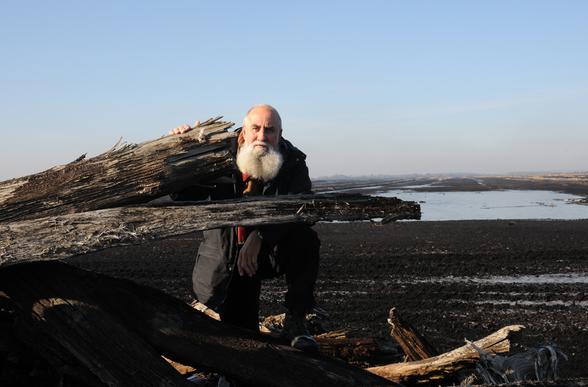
point(79, 233)
point(126, 174)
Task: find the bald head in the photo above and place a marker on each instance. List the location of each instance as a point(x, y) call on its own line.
point(263, 126)
point(266, 110)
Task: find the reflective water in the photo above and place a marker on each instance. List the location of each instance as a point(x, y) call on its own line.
point(508, 204)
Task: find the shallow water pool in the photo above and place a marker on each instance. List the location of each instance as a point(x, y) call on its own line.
point(507, 204)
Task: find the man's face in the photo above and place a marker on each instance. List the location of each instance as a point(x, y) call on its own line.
point(262, 129)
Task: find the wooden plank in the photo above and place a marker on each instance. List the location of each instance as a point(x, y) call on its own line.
point(95, 318)
point(64, 236)
point(126, 174)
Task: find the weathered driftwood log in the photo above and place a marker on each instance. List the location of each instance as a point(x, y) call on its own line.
point(414, 346)
point(116, 330)
point(358, 351)
point(126, 174)
point(68, 235)
point(446, 364)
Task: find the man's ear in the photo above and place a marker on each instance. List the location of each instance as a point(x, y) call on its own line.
point(241, 138)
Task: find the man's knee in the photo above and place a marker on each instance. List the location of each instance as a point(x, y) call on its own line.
point(312, 239)
point(299, 253)
point(302, 237)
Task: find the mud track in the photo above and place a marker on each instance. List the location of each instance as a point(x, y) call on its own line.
point(452, 280)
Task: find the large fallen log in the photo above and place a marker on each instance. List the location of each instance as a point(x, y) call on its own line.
point(126, 174)
point(444, 365)
point(116, 330)
point(64, 236)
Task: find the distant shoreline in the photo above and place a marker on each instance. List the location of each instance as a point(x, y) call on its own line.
point(570, 183)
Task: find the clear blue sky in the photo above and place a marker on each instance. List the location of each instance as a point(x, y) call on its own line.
point(371, 87)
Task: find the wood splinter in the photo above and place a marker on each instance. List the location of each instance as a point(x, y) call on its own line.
point(414, 346)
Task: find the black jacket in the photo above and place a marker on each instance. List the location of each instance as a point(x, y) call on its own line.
point(215, 262)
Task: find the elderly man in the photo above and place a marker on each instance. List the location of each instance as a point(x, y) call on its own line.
point(231, 262)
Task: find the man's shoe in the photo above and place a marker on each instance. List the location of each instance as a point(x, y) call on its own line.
point(295, 331)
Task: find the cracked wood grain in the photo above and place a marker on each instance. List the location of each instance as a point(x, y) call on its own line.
point(79, 233)
point(126, 174)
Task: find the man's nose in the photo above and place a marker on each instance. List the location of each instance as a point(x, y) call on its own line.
point(262, 135)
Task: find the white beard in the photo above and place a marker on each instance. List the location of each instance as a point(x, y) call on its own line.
point(259, 163)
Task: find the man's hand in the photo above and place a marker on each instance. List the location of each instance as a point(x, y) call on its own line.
point(247, 261)
point(183, 128)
